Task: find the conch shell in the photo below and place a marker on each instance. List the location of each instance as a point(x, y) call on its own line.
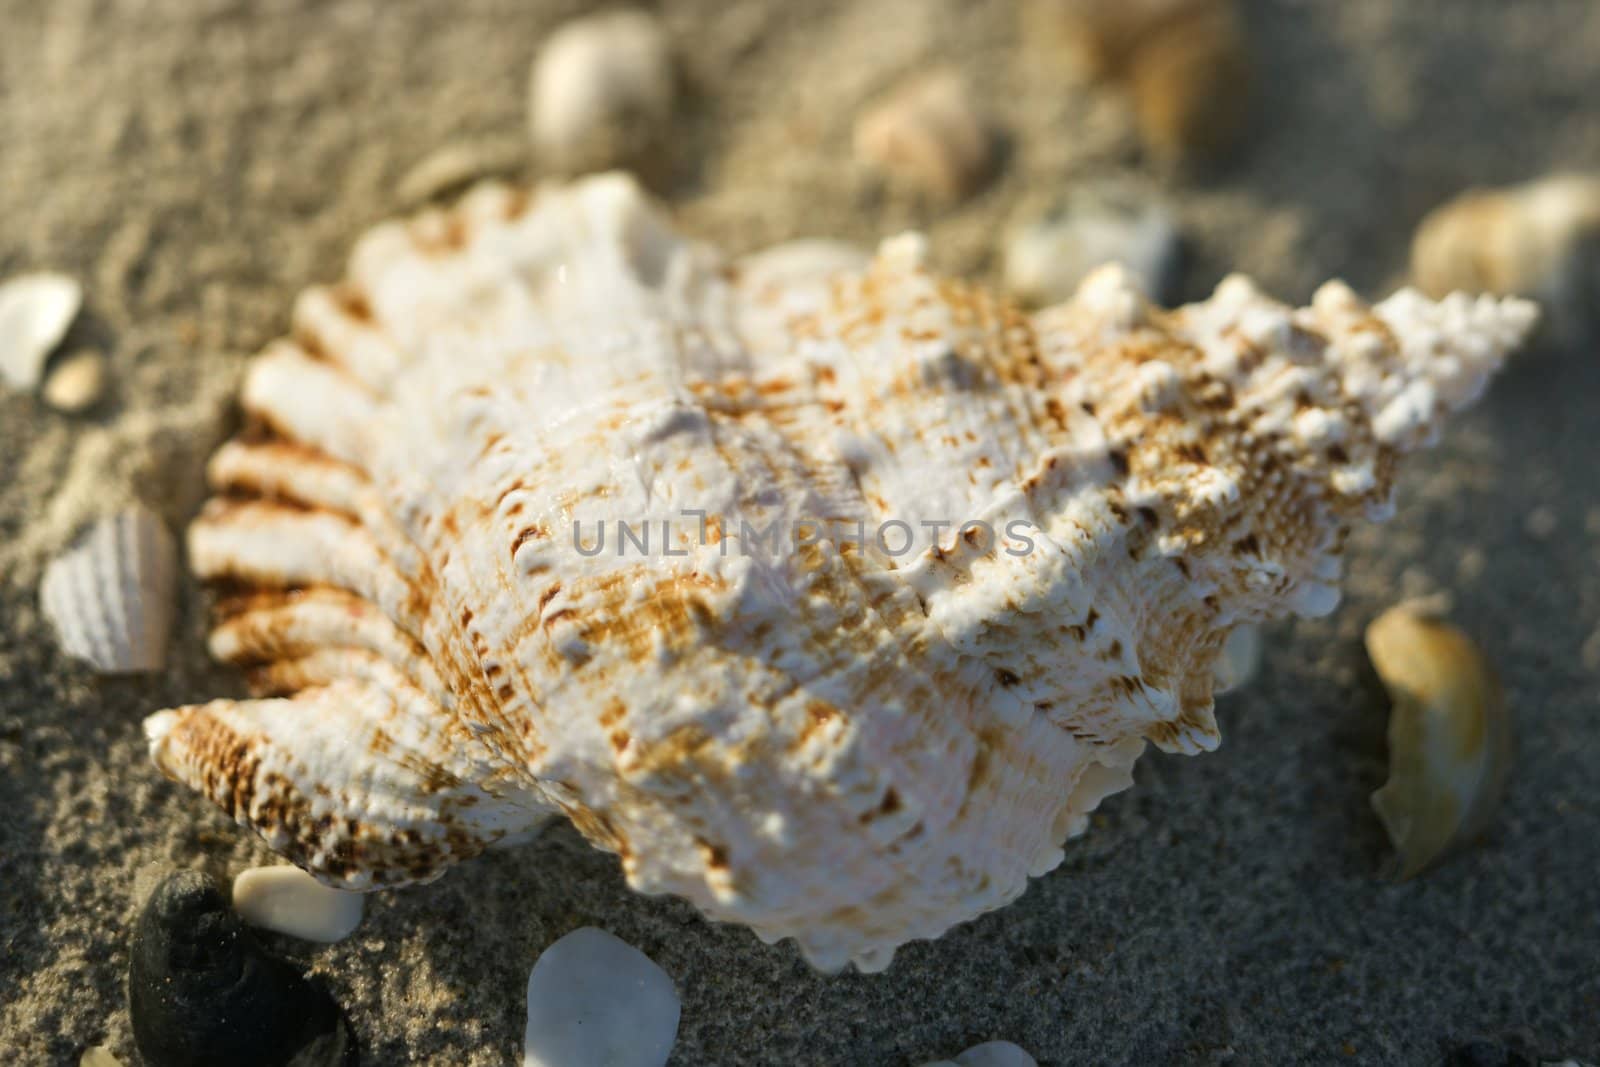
point(946, 567)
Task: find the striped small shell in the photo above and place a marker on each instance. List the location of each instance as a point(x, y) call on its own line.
point(815, 735)
point(110, 596)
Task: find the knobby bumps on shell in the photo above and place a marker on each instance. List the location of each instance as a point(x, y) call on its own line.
point(822, 736)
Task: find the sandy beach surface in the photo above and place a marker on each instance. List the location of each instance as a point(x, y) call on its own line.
point(196, 162)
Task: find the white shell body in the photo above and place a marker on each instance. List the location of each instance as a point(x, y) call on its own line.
point(820, 732)
point(110, 596)
point(35, 312)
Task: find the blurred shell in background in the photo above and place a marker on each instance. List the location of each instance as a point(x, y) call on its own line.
point(602, 93)
point(928, 135)
point(1540, 239)
point(1185, 65)
point(110, 596)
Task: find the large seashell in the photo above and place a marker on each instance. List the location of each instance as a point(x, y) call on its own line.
point(1449, 737)
point(110, 596)
point(1541, 239)
point(822, 732)
point(35, 313)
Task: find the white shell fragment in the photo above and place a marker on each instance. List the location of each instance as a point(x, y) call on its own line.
point(595, 999)
point(602, 91)
point(110, 596)
point(929, 135)
point(1047, 259)
point(990, 1054)
point(1240, 660)
point(35, 313)
point(1541, 240)
point(1449, 737)
point(559, 513)
point(98, 1056)
point(289, 901)
point(76, 382)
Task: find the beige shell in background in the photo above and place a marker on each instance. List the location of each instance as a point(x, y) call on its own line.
point(1449, 737)
point(1185, 65)
point(825, 732)
point(1541, 239)
point(110, 596)
point(929, 135)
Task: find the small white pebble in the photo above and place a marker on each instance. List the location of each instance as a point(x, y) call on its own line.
point(35, 312)
point(989, 1054)
point(98, 1056)
point(1047, 259)
point(289, 901)
point(602, 91)
point(595, 999)
point(76, 382)
point(1471, 564)
point(1540, 523)
point(996, 1054)
point(929, 135)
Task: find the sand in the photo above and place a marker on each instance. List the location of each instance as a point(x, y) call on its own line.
point(196, 162)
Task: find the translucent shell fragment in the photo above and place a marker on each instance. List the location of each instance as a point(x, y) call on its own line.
point(1449, 737)
point(829, 598)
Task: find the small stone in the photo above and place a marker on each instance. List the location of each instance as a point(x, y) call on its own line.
point(996, 1054)
point(287, 900)
point(602, 92)
point(1048, 258)
point(1471, 564)
point(593, 998)
point(1541, 523)
point(202, 992)
point(35, 313)
point(929, 135)
point(98, 1056)
point(989, 1054)
point(76, 382)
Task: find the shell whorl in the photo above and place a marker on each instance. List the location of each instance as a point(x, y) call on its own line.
point(814, 735)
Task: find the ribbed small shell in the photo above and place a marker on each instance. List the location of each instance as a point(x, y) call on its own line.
point(110, 596)
point(817, 737)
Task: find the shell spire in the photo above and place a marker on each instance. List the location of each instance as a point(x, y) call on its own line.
point(832, 601)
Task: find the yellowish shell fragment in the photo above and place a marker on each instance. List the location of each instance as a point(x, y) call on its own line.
point(1449, 737)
